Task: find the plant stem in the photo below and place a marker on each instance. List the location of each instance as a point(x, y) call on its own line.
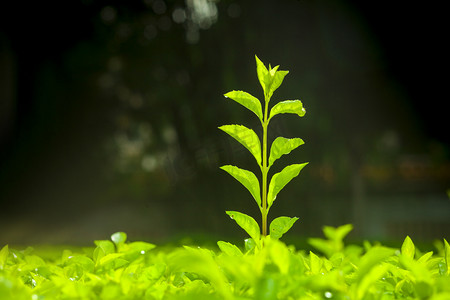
point(264, 169)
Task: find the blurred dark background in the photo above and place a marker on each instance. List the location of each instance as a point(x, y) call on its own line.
point(109, 113)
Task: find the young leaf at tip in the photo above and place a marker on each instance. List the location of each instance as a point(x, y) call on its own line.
point(263, 74)
point(247, 179)
point(282, 146)
point(245, 99)
point(279, 181)
point(280, 226)
point(288, 107)
point(247, 137)
point(271, 79)
point(247, 223)
point(277, 80)
point(408, 249)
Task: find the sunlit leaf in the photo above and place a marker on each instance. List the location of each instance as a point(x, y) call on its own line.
point(110, 257)
point(408, 248)
point(119, 239)
point(3, 256)
point(373, 257)
point(322, 245)
point(83, 261)
point(282, 146)
point(266, 289)
point(447, 255)
point(288, 107)
point(424, 258)
point(249, 244)
point(337, 233)
point(263, 74)
point(247, 137)
point(277, 80)
point(106, 246)
point(369, 278)
point(280, 226)
point(279, 253)
point(418, 270)
point(201, 261)
point(247, 223)
point(140, 247)
point(229, 249)
point(271, 79)
point(247, 179)
point(315, 263)
point(279, 181)
point(248, 101)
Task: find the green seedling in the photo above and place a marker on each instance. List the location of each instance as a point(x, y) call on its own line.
point(266, 193)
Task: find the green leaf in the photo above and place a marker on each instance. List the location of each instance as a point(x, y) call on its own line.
point(408, 248)
point(322, 245)
point(263, 74)
point(373, 257)
point(288, 107)
point(247, 100)
point(4, 256)
point(247, 179)
point(247, 223)
point(106, 246)
point(229, 249)
point(447, 255)
point(249, 244)
point(103, 248)
point(282, 146)
point(424, 258)
point(271, 79)
point(140, 247)
point(279, 181)
point(279, 253)
point(85, 262)
point(369, 279)
point(280, 226)
point(119, 239)
point(315, 263)
point(266, 289)
point(418, 271)
point(110, 257)
point(277, 80)
point(247, 137)
point(338, 233)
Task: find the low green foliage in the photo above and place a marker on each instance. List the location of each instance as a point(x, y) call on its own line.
point(264, 194)
point(117, 269)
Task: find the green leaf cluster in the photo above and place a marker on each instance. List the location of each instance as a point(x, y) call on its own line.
point(265, 193)
point(117, 269)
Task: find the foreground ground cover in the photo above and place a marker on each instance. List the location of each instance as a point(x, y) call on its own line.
point(117, 269)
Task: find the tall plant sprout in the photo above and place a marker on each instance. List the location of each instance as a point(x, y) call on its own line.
point(265, 193)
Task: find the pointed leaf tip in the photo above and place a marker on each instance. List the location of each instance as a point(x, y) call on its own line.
point(247, 137)
point(280, 226)
point(282, 146)
point(247, 100)
point(279, 181)
point(247, 179)
point(288, 107)
point(408, 248)
point(247, 223)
